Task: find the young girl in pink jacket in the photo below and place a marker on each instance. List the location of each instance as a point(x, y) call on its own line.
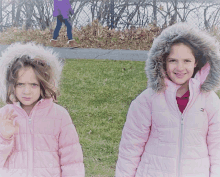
point(173, 127)
point(37, 136)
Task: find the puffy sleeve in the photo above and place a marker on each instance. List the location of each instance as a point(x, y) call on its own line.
point(70, 151)
point(6, 145)
point(213, 136)
point(134, 137)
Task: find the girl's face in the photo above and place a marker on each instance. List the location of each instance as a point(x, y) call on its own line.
point(27, 88)
point(180, 64)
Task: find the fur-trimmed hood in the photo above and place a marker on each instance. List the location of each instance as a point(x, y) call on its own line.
point(208, 76)
point(32, 50)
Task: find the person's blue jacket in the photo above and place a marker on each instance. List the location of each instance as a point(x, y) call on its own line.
point(62, 7)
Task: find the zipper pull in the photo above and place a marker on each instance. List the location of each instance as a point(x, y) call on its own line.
point(182, 120)
point(29, 120)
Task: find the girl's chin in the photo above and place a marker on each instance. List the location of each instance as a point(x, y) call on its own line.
point(178, 81)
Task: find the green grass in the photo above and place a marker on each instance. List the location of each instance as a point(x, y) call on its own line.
point(97, 94)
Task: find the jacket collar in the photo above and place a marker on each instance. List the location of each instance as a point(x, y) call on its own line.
point(194, 83)
point(40, 104)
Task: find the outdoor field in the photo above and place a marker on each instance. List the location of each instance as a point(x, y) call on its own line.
point(97, 94)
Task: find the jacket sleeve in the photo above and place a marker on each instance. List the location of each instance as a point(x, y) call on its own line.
point(134, 137)
point(70, 151)
point(213, 136)
point(6, 145)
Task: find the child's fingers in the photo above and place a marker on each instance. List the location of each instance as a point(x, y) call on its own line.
point(11, 112)
point(5, 116)
point(13, 116)
point(9, 115)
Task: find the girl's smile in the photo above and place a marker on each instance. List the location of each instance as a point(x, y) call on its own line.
point(180, 76)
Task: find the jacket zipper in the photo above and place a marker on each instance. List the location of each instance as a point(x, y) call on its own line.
point(181, 137)
point(31, 145)
point(29, 120)
point(30, 151)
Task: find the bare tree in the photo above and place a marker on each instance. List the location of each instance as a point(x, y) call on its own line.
point(215, 16)
point(13, 12)
point(29, 13)
point(18, 13)
point(112, 4)
point(155, 11)
point(1, 15)
point(113, 13)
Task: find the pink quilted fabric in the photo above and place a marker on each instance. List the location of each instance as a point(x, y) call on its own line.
point(47, 144)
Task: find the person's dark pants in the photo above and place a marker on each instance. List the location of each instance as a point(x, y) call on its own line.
point(60, 20)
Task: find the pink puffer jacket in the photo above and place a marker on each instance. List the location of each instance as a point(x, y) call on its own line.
point(157, 139)
point(47, 144)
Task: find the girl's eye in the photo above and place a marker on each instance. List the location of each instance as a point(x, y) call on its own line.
point(19, 84)
point(34, 85)
point(175, 60)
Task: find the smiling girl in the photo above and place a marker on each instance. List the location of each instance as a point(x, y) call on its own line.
point(173, 127)
point(37, 136)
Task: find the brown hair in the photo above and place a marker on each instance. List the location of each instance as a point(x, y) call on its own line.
point(43, 73)
point(198, 54)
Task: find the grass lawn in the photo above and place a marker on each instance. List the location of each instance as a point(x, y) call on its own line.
point(97, 94)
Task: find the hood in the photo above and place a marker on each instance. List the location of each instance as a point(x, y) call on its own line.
point(32, 50)
point(209, 74)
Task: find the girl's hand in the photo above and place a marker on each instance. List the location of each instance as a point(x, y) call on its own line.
point(7, 128)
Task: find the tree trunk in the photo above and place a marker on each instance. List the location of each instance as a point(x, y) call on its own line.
point(18, 13)
point(112, 14)
point(29, 11)
point(119, 15)
point(1, 15)
point(13, 12)
point(175, 8)
point(155, 12)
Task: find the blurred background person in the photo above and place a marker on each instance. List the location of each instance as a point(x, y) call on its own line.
point(63, 10)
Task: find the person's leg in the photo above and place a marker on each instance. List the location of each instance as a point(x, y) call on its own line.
point(69, 29)
point(58, 27)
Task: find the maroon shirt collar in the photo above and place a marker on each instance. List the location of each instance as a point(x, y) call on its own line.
point(186, 95)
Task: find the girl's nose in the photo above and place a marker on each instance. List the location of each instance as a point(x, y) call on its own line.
point(26, 89)
point(180, 66)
